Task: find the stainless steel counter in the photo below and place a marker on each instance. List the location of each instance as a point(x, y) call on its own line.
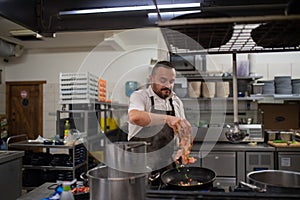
point(43, 191)
point(240, 147)
point(206, 146)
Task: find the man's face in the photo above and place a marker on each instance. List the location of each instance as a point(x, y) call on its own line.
point(162, 81)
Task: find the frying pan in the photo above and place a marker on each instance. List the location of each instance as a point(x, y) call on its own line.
point(199, 178)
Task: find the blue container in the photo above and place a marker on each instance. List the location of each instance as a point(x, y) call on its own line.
point(130, 87)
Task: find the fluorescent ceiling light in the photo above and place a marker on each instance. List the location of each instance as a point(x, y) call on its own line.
point(131, 8)
point(176, 13)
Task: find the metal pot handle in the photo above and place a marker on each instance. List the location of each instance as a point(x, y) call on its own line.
point(153, 177)
point(253, 187)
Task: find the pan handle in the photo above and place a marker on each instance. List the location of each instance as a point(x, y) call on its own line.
point(253, 187)
point(153, 177)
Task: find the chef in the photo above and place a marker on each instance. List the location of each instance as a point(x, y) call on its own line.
point(156, 115)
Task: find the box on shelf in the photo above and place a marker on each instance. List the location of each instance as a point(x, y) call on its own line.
point(78, 87)
point(101, 90)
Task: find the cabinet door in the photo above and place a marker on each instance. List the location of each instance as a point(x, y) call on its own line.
point(223, 163)
point(259, 161)
point(289, 161)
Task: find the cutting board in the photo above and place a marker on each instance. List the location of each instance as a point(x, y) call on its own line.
point(283, 144)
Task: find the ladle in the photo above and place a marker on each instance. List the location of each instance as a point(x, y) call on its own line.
point(234, 134)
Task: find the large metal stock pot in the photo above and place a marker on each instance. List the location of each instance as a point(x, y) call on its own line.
point(275, 181)
point(109, 184)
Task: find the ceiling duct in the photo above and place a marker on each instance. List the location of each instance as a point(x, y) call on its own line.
point(8, 49)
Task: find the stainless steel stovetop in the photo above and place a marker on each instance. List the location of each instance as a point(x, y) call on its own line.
point(237, 193)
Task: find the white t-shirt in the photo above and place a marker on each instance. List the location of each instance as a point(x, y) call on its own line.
point(140, 100)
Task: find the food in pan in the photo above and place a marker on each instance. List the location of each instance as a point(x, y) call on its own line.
point(185, 146)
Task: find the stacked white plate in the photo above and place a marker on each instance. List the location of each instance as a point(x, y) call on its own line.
point(283, 84)
point(296, 86)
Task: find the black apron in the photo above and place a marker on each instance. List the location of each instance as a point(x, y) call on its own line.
point(161, 136)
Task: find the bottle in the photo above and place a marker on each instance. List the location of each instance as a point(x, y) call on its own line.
point(67, 193)
point(67, 128)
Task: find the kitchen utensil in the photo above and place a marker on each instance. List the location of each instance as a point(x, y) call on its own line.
point(234, 134)
point(276, 181)
point(125, 186)
point(189, 178)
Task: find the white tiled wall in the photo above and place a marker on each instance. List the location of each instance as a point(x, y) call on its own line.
point(295, 70)
point(51, 96)
point(270, 65)
point(267, 65)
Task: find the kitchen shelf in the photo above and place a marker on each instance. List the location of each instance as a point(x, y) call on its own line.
point(53, 167)
point(284, 97)
point(95, 122)
point(251, 98)
point(247, 34)
point(26, 144)
point(198, 77)
point(76, 152)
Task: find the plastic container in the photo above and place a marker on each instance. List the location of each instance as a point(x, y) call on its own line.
point(208, 89)
point(67, 128)
point(67, 193)
point(222, 89)
point(194, 89)
point(130, 87)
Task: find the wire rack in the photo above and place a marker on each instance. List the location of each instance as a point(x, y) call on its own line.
point(223, 35)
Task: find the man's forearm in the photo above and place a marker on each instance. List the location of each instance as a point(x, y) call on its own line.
point(143, 118)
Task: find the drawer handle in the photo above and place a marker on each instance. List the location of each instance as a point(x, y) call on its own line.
point(216, 157)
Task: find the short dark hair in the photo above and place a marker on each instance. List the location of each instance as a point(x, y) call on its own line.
point(165, 64)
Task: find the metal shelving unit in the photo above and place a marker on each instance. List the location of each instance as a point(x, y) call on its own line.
point(251, 34)
point(79, 160)
point(91, 120)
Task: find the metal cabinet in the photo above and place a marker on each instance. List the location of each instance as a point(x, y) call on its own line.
point(289, 161)
point(259, 161)
point(224, 164)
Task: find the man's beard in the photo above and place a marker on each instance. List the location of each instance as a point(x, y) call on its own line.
point(163, 92)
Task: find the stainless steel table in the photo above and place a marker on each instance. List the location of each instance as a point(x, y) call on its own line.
point(40, 192)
